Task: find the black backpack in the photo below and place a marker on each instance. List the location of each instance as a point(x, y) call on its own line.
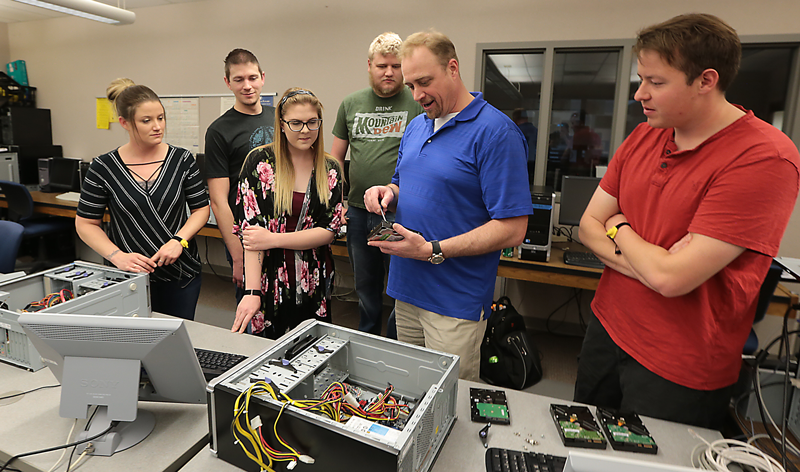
point(508, 355)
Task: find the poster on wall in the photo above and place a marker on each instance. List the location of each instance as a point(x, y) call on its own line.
point(183, 115)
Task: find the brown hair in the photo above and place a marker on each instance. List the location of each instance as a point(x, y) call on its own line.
point(437, 43)
point(240, 56)
point(127, 96)
point(693, 43)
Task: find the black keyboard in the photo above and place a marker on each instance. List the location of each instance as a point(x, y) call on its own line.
point(583, 259)
point(215, 363)
point(506, 460)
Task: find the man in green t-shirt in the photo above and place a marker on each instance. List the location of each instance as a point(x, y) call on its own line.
point(371, 123)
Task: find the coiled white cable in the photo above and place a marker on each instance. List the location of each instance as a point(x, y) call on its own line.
point(718, 454)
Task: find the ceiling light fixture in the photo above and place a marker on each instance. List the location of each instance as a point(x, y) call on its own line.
point(88, 9)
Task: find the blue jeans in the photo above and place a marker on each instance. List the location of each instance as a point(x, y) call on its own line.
point(176, 298)
point(369, 267)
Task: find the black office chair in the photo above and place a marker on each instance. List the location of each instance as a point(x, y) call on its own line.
point(11, 235)
point(20, 210)
point(764, 297)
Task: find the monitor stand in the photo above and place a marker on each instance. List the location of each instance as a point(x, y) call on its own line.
point(124, 435)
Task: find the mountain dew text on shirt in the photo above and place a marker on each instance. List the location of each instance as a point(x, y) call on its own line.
point(380, 125)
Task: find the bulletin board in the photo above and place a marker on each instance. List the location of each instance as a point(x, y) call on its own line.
point(188, 116)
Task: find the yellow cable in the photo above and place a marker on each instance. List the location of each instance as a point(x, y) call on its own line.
point(237, 427)
point(275, 428)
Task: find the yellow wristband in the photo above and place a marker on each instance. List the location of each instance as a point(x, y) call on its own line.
point(612, 232)
point(183, 242)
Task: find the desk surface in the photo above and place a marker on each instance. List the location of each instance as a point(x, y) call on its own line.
point(181, 430)
point(554, 272)
point(33, 423)
point(529, 415)
point(47, 204)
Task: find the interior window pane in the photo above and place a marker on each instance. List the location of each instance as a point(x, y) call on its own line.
point(512, 83)
point(583, 106)
point(763, 81)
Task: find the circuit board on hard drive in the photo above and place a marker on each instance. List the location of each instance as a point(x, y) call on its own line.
point(577, 426)
point(626, 432)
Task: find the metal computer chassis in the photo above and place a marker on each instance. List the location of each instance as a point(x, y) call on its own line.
point(97, 290)
point(428, 378)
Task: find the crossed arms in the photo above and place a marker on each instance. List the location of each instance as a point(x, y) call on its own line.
point(671, 272)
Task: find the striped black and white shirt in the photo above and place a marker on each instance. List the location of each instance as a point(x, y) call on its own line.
point(144, 220)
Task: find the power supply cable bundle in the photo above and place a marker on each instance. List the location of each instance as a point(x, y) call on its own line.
point(337, 403)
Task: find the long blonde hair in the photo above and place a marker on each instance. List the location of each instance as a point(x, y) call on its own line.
point(284, 172)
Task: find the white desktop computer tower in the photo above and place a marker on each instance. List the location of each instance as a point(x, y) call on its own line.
point(95, 290)
point(9, 167)
point(539, 235)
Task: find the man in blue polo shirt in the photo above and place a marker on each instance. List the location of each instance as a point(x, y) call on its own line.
point(461, 181)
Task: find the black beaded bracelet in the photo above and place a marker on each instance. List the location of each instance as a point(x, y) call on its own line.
point(252, 292)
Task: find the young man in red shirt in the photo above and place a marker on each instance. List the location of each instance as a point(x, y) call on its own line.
point(687, 220)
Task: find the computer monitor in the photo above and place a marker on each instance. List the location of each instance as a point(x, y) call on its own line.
point(113, 362)
point(578, 461)
point(63, 175)
point(576, 192)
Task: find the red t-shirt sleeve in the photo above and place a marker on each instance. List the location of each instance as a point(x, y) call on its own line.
point(749, 204)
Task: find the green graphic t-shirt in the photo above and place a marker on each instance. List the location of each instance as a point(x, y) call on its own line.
point(373, 126)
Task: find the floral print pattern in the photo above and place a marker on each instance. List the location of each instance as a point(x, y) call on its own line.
point(254, 206)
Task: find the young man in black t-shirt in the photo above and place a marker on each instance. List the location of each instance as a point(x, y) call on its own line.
point(228, 141)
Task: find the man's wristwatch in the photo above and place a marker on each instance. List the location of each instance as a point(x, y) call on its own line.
point(436, 256)
point(183, 242)
point(612, 232)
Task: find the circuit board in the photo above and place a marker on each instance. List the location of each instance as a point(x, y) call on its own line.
point(489, 406)
point(626, 432)
point(577, 426)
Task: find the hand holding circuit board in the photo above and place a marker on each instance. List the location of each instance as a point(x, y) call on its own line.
point(384, 231)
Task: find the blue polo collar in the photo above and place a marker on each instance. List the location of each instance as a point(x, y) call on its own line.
point(470, 112)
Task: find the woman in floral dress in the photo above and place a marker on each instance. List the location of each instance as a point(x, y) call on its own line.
point(288, 211)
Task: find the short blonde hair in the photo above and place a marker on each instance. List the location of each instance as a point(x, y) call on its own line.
point(386, 44)
point(437, 43)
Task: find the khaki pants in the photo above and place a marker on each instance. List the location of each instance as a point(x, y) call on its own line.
point(442, 333)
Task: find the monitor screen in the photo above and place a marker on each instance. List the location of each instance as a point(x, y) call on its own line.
point(578, 461)
point(64, 173)
point(575, 195)
point(113, 362)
